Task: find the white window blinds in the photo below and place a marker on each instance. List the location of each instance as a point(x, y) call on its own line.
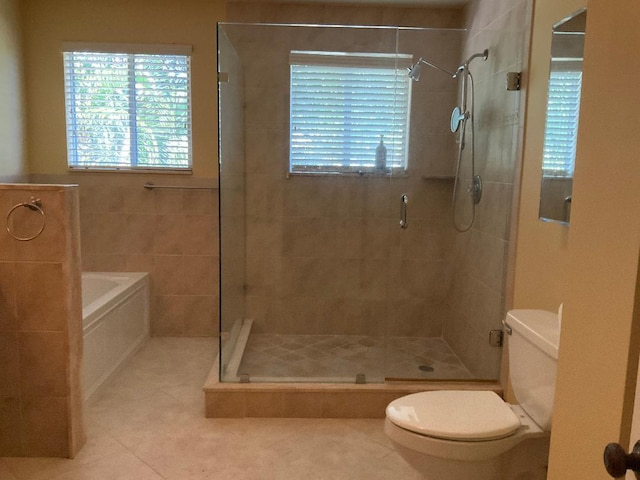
point(561, 133)
point(128, 110)
point(342, 105)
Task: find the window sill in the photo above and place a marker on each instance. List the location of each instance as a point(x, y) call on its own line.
point(368, 174)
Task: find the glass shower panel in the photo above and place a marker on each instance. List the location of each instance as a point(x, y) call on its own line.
point(232, 204)
point(320, 282)
point(420, 270)
point(316, 264)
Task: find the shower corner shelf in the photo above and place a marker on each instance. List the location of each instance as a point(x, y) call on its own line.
point(439, 178)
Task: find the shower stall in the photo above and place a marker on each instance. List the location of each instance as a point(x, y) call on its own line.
point(340, 259)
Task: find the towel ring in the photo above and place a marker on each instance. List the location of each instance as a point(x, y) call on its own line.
point(34, 204)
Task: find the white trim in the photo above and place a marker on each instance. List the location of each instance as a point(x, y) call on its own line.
point(139, 48)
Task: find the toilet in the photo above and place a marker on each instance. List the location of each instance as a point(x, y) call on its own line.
point(468, 434)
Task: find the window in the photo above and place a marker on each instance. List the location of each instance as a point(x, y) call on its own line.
point(128, 107)
point(342, 106)
point(563, 110)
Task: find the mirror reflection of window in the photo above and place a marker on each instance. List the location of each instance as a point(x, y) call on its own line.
point(563, 111)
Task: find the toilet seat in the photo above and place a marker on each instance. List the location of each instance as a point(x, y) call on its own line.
point(458, 415)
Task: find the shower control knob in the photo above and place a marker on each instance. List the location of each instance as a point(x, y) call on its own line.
point(617, 461)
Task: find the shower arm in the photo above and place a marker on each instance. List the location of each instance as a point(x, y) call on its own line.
point(462, 68)
point(433, 65)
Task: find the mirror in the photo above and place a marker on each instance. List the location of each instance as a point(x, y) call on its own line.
point(563, 109)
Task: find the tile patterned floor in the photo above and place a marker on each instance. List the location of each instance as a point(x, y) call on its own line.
point(149, 425)
point(341, 357)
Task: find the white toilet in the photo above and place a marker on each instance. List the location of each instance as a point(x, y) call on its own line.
point(465, 434)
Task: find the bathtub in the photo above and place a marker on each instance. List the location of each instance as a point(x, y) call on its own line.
point(115, 320)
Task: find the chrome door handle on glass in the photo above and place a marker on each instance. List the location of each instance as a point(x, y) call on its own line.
point(404, 199)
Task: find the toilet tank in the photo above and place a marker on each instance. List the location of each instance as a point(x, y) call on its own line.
point(533, 359)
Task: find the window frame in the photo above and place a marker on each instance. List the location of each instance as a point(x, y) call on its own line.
point(131, 50)
point(395, 64)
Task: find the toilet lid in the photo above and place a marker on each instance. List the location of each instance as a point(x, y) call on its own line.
point(454, 415)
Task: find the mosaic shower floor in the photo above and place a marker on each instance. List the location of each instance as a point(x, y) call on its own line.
point(338, 358)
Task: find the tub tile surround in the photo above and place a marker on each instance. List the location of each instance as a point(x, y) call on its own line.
point(40, 325)
point(172, 234)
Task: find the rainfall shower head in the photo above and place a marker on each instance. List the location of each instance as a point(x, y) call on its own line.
point(414, 71)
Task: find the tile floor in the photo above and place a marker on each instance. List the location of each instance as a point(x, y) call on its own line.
point(149, 425)
point(341, 357)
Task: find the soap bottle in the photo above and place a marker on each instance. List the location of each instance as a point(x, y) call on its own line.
point(381, 155)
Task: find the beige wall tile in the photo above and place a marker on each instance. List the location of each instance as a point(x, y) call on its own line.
point(200, 235)
point(9, 359)
point(138, 235)
point(10, 423)
point(45, 426)
point(168, 234)
point(185, 315)
point(42, 308)
point(169, 201)
point(48, 246)
point(186, 275)
point(8, 312)
point(43, 364)
point(202, 316)
point(167, 314)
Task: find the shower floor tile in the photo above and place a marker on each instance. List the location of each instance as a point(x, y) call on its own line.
point(270, 357)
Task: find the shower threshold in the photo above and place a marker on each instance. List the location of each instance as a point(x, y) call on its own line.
point(313, 376)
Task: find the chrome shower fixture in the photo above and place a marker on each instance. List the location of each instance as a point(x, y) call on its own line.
point(460, 117)
point(416, 69)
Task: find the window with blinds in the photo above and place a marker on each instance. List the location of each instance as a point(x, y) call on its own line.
point(128, 107)
point(342, 106)
point(561, 132)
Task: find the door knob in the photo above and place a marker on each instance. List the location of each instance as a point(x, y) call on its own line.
point(617, 461)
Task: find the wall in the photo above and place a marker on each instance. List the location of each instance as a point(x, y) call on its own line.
point(591, 266)
point(479, 295)
point(540, 244)
point(170, 233)
point(40, 325)
point(47, 25)
point(325, 254)
point(334, 14)
point(11, 114)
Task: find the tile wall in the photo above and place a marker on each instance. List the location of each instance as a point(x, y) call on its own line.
point(172, 234)
point(326, 254)
point(40, 324)
point(479, 296)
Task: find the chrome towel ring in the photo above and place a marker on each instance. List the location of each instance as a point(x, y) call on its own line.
point(34, 204)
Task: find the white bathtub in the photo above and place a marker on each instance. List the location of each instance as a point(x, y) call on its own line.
point(115, 318)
